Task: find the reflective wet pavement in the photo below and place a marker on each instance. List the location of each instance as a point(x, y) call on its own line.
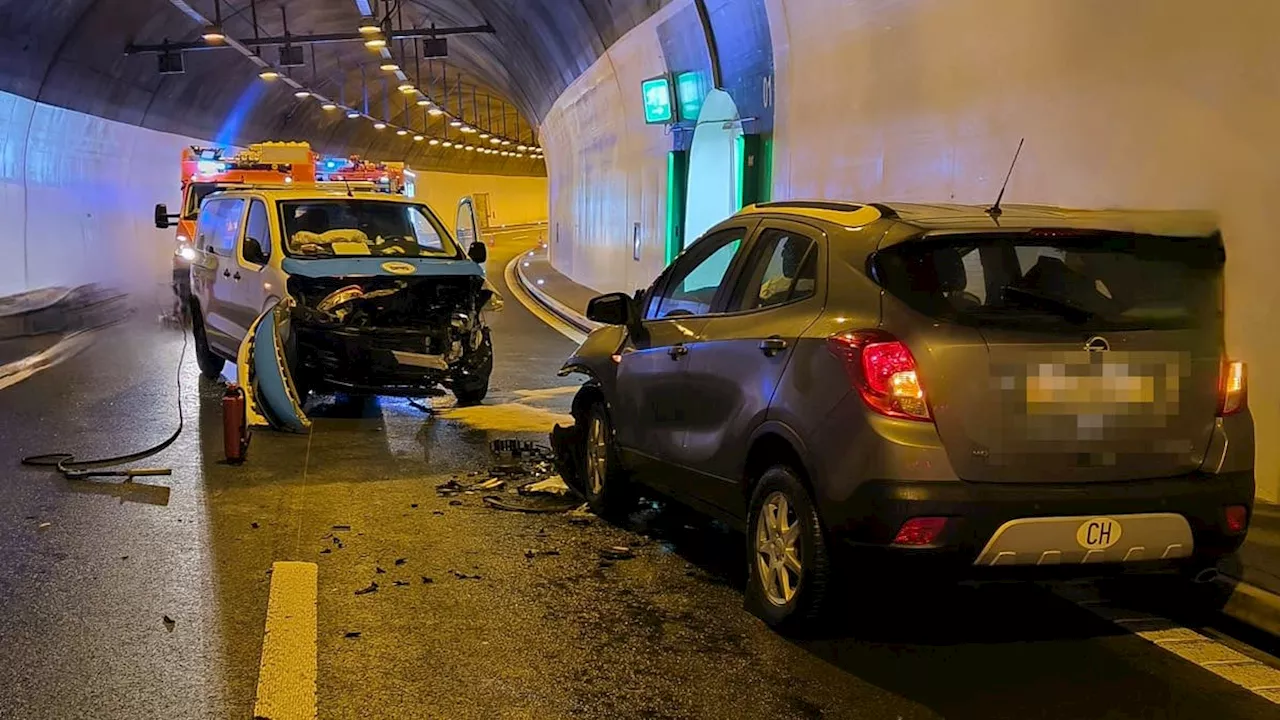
point(478, 629)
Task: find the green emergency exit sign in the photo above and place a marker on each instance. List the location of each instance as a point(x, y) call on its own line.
point(657, 100)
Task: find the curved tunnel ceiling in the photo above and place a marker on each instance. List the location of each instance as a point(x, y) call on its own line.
point(70, 53)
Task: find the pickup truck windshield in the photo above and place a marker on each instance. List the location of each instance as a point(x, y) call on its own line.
point(356, 228)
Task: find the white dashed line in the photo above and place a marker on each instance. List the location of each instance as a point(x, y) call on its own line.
point(1205, 652)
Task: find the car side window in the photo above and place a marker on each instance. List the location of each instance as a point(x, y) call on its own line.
point(783, 268)
point(219, 225)
point(697, 277)
point(258, 228)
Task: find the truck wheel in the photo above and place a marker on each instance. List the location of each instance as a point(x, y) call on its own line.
point(210, 364)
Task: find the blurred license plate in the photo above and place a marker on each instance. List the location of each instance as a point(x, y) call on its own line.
point(1089, 390)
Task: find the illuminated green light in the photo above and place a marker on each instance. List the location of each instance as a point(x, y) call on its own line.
point(657, 100)
point(739, 169)
point(677, 178)
point(689, 95)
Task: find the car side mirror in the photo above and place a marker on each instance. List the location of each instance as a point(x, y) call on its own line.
point(612, 309)
point(162, 216)
point(478, 252)
point(253, 251)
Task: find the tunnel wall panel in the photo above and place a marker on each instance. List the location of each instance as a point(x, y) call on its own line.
point(77, 198)
point(512, 200)
point(607, 168)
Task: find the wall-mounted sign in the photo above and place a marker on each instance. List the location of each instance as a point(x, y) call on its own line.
point(689, 95)
point(658, 108)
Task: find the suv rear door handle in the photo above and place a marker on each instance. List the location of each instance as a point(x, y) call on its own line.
point(772, 345)
point(675, 351)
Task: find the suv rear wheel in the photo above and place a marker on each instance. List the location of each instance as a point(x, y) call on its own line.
point(607, 490)
point(210, 364)
point(788, 564)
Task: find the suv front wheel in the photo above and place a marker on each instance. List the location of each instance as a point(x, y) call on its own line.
point(788, 564)
point(605, 485)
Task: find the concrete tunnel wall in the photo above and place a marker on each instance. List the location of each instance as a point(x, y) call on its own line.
point(1145, 103)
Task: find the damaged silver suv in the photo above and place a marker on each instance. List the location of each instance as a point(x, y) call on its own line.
point(367, 293)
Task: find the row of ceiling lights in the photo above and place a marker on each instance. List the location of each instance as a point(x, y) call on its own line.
point(376, 41)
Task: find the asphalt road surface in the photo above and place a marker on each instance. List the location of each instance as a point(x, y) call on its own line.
point(149, 600)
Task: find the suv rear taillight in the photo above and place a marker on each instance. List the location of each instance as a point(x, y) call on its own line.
point(883, 371)
point(1233, 388)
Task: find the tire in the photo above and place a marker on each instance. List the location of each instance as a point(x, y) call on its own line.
point(788, 561)
point(608, 492)
point(210, 363)
point(472, 387)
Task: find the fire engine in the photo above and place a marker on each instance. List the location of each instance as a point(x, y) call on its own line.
point(388, 176)
point(209, 169)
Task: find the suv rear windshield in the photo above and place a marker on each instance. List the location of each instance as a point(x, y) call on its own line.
point(1103, 281)
point(354, 228)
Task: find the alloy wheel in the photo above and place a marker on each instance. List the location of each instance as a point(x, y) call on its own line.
point(597, 455)
point(778, 549)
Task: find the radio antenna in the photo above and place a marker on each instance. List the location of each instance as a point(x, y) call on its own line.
point(994, 211)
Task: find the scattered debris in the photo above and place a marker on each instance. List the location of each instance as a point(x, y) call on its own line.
point(450, 487)
point(253, 525)
point(341, 527)
point(532, 553)
point(455, 502)
point(379, 570)
point(531, 504)
point(44, 526)
point(169, 623)
point(518, 448)
point(464, 576)
point(437, 512)
point(400, 583)
point(426, 580)
point(491, 484)
point(552, 485)
point(400, 561)
point(413, 505)
point(617, 552)
point(352, 634)
point(373, 587)
point(326, 551)
point(506, 470)
point(606, 563)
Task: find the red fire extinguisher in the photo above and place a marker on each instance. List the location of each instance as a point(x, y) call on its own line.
point(235, 434)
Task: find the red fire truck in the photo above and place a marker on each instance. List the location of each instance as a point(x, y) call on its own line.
point(388, 176)
point(207, 170)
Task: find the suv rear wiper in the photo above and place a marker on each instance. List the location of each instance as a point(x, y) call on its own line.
point(1074, 313)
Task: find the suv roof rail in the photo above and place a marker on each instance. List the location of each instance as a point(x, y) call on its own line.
point(833, 205)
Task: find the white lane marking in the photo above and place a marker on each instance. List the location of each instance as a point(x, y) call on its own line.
point(287, 673)
point(533, 306)
point(66, 348)
point(1202, 650)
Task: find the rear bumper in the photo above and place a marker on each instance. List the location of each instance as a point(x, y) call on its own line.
point(871, 517)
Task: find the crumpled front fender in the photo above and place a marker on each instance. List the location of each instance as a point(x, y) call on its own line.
point(263, 371)
point(594, 357)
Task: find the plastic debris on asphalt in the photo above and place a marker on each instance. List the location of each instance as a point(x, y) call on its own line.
point(373, 587)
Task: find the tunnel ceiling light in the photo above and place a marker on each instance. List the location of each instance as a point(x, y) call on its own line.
point(379, 125)
point(407, 87)
point(213, 34)
point(448, 143)
point(470, 148)
point(269, 74)
point(377, 42)
point(495, 141)
point(300, 94)
point(369, 25)
point(506, 143)
point(519, 155)
point(484, 136)
point(468, 129)
point(456, 123)
point(435, 112)
point(433, 141)
point(329, 106)
point(419, 138)
point(402, 132)
point(352, 114)
point(389, 66)
point(522, 148)
point(423, 102)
